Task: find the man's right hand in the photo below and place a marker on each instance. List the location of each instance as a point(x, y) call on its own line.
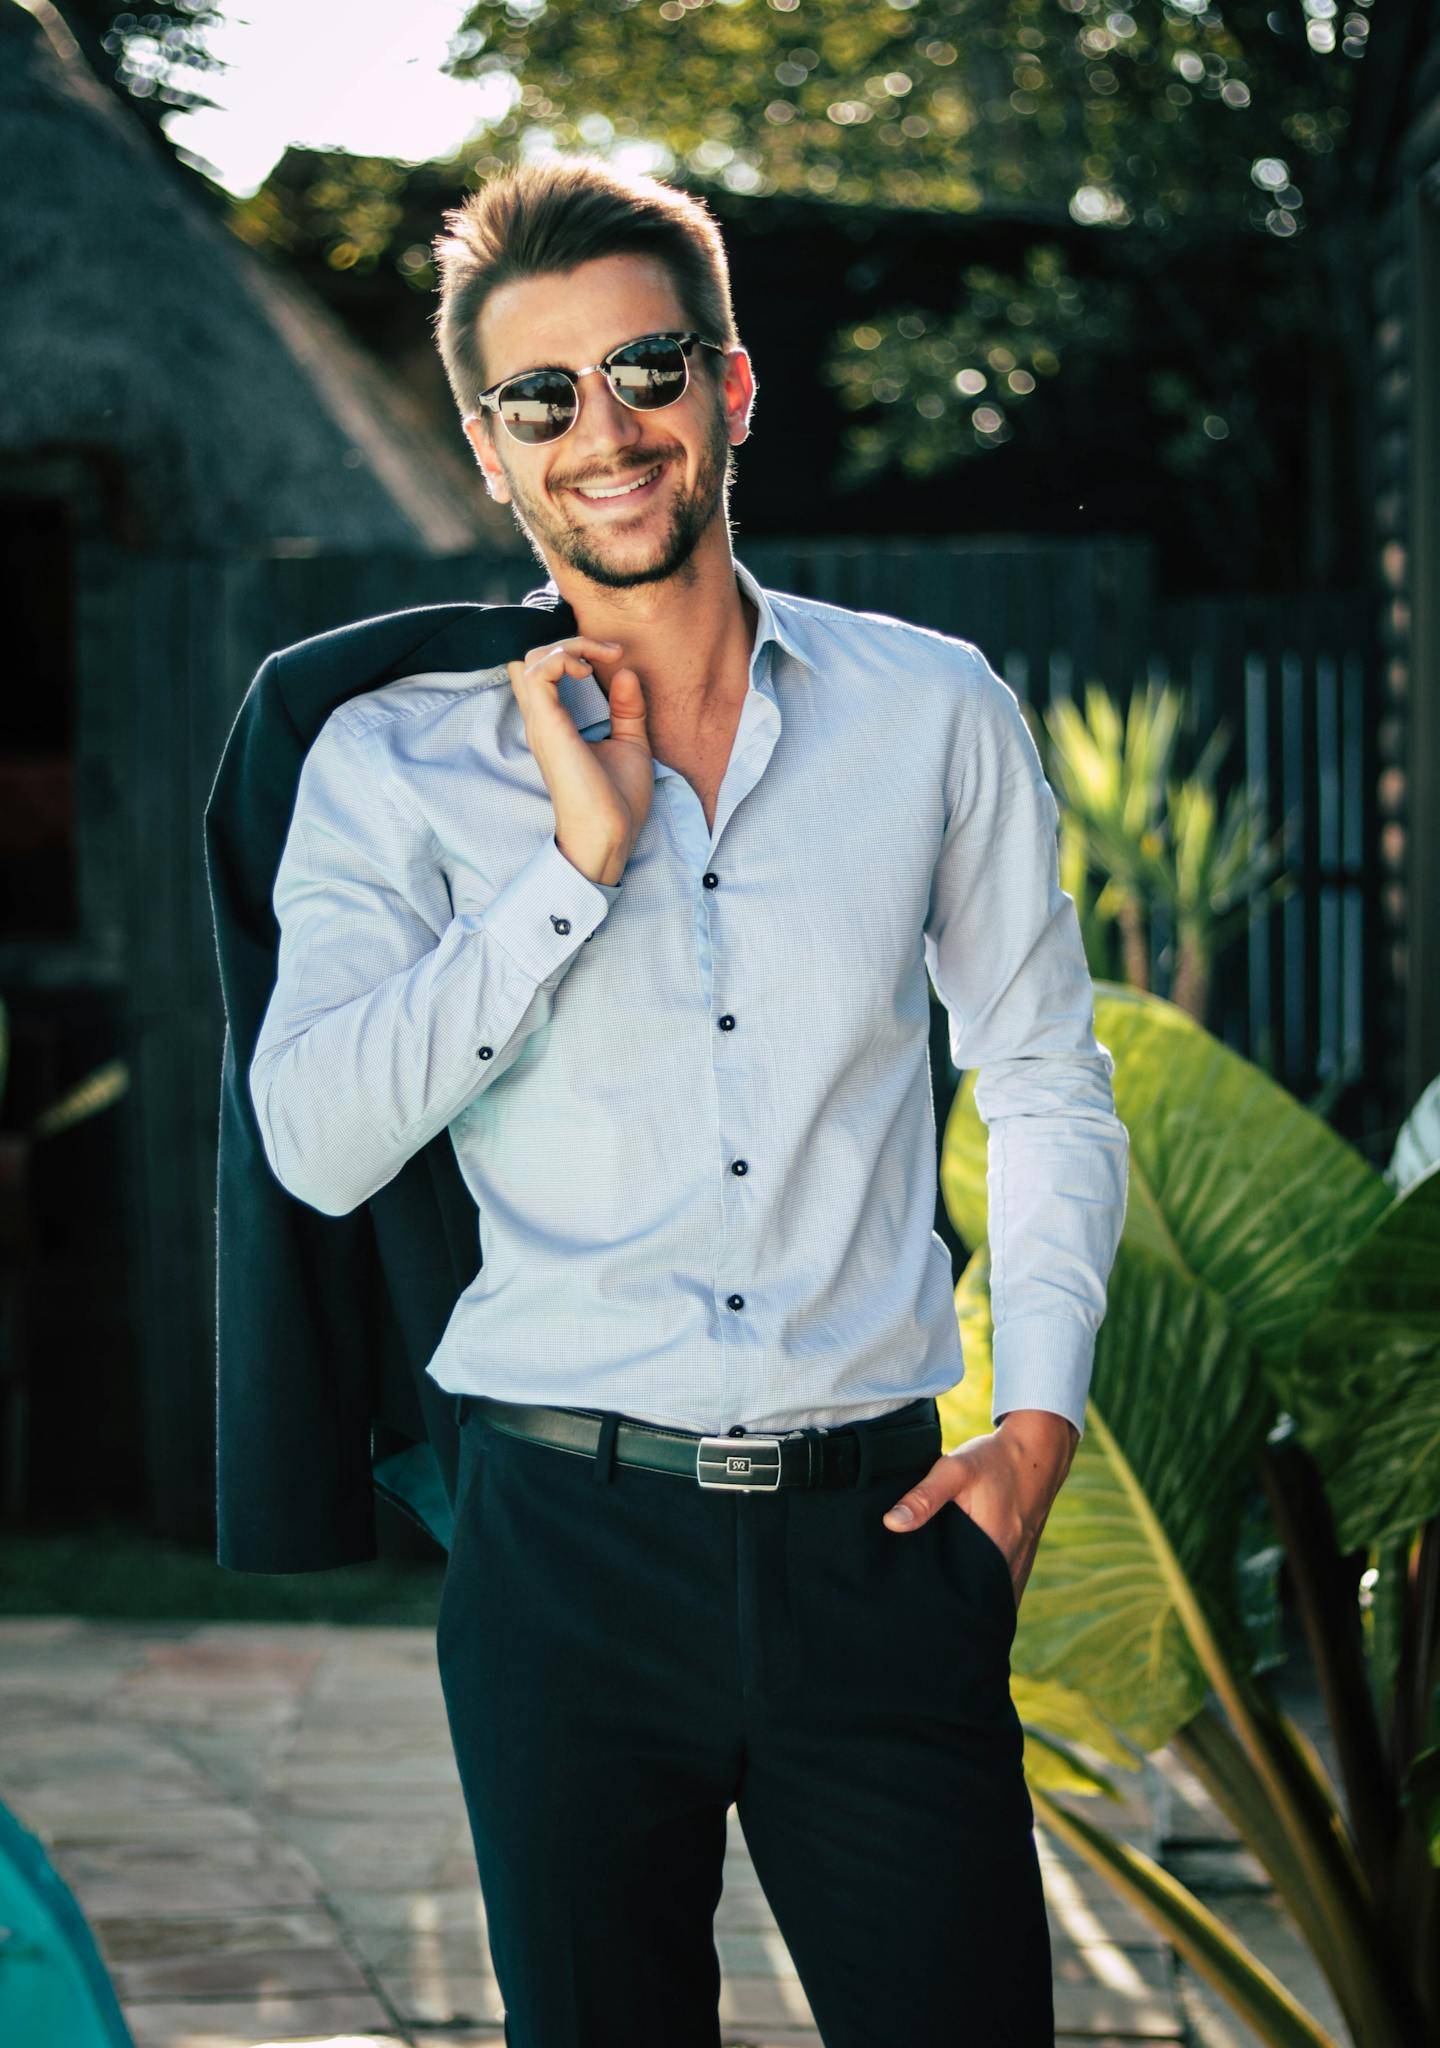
point(601, 789)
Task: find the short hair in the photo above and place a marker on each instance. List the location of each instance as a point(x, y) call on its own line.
point(552, 214)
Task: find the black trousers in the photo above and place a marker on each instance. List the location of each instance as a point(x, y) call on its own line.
point(622, 1660)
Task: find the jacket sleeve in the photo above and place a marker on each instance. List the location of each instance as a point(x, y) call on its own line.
point(1003, 945)
point(388, 1015)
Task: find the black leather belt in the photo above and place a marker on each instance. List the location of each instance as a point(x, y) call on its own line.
point(842, 1454)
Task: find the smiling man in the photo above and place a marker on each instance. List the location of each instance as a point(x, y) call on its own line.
point(707, 1548)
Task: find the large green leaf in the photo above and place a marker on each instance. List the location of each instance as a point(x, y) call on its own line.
point(1207, 1944)
point(1146, 1521)
point(1417, 1142)
point(1364, 1386)
point(1231, 1179)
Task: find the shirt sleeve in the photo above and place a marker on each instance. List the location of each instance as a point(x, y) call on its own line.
point(388, 1015)
point(1003, 946)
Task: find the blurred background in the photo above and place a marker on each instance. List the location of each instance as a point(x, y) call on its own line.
point(1110, 342)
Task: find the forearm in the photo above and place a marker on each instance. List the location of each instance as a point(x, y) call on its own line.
point(345, 1095)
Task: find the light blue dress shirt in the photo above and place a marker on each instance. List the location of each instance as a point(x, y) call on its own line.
point(703, 1146)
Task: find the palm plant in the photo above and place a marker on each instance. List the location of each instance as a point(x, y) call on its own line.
point(1273, 1314)
point(1162, 843)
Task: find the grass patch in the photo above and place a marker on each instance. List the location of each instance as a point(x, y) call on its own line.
point(109, 1572)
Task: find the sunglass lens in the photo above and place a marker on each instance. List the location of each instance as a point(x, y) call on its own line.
point(537, 408)
point(649, 373)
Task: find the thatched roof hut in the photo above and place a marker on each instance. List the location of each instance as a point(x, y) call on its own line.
point(217, 405)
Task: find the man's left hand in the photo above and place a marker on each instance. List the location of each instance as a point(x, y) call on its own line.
point(1007, 1482)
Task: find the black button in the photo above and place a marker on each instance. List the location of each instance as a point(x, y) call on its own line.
point(734, 1301)
point(739, 1166)
point(736, 1429)
point(485, 1053)
point(727, 1022)
point(561, 924)
point(711, 880)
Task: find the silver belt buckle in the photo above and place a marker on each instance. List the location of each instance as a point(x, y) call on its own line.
point(728, 1461)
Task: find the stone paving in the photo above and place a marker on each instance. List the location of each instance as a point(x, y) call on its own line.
point(264, 1828)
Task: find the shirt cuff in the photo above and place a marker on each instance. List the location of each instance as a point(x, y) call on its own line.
point(547, 910)
point(1042, 1362)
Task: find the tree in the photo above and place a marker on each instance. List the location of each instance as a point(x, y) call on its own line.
point(1169, 128)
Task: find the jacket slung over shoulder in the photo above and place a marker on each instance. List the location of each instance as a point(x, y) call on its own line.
point(325, 1324)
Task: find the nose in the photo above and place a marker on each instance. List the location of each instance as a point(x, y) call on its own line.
point(604, 424)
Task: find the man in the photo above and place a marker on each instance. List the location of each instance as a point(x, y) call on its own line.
point(706, 1547)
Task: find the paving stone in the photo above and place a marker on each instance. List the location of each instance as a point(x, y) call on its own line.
point(765, 2002)
point(390, 1805)
point(433, 1995)
point(426, 1913)
point(248, 2023)
point(148, 1937)
point(281, 1851)
point(223, 1877)
point(61, 1819)
point(244, 1972)
point(481, 2037)
point(462, 1950)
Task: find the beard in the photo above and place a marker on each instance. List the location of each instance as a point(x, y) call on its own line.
point(620, 560)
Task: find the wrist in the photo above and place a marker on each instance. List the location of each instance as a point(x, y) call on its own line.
point(1041, 1439)
point(606, 867)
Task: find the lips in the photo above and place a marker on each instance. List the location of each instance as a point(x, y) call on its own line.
point(626, 490)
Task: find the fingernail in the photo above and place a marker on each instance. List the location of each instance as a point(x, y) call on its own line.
point(903, 1513)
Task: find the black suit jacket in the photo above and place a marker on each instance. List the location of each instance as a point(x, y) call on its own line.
point(325, 1324)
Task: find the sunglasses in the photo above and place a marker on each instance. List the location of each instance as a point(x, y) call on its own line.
point(541, 405)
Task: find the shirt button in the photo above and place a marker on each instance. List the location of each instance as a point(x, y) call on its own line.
point(485, 1053)
point(739, 1166)
point(727, 1022)
point(734, 1301)
point(711, 880)
point(561, 924)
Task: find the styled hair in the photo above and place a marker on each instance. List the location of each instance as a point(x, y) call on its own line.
point(552, 214)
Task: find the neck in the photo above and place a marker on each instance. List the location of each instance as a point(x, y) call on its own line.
point(688, 639)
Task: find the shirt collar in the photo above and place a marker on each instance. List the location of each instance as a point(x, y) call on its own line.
point(769, 626)
point(588, 705)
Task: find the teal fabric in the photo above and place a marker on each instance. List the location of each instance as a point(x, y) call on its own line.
point(54, 1987)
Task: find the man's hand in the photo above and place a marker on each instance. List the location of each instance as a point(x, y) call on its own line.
point(1006, 1482)
point(600, 789)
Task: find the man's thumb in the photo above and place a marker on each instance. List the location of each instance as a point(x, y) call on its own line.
point(627, 706)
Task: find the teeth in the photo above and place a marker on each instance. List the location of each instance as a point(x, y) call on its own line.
point(623, 490)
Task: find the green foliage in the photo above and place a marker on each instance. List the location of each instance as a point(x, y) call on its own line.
point(1186, 123)
point(1158, 841)
point(1273, 1313)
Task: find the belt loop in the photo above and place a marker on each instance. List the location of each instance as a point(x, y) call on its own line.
point(814, 1472)
point(867, 1447)
point(460, 1411)
point(605, 1449)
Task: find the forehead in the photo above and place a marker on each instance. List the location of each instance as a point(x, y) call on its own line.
point(570, 317)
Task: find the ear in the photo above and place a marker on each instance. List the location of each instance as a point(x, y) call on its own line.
point(737, 393)
point(477, 432)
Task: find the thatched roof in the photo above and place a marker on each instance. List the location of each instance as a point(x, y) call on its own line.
point(231, 409)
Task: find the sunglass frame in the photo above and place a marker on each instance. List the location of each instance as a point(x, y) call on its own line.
point(491, 400)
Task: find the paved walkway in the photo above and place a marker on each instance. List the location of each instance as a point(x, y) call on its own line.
point(264, 1827)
